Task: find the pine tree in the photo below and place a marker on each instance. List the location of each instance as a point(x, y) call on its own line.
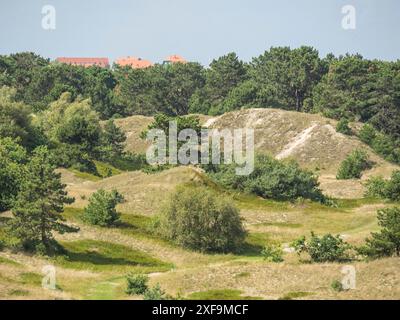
point(39, 204)
point(386, 242)
point(114, 139)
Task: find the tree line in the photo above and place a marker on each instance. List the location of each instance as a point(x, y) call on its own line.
point(348, 86)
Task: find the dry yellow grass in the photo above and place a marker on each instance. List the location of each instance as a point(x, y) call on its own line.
point(144, 193)
point(277, 132)
point(310, 139)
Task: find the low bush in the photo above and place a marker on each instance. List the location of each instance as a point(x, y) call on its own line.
point(272, 253)
point(353, 166)
point(367, 134)
point(101, 209)
point(375, 187)
point(382, 144)
point(387, 189)
point(197, 218)
point(271, 179)
point(385, 243)
point(155, 293)
point(337, 286)
point(343, 127)
point(392, 190)
point(136, 284)
point(327, 248)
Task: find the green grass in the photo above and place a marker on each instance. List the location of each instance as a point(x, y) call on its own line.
point(281, 225)
point(104, 170)
point(18, 293)
point(225, 294)
point(30, 278)
point(105, 256)
point(295, 295)
point(135, 225)
point(73, 214)
point(356, 203)
point(10, 262)
point(85, 175)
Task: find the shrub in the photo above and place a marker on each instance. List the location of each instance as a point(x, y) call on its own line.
point(392, 191)
point(13, 158)
point(382, 144)
point(343, 126)
point(385, 243)
point(337, 286)
point(327, 248)
point(367, 134)
point(376, 187)
point(353, 166)
point(198, 219)
point(136, 284)
point(271, 179)
point(101, 209)
point(381, 188)
point(155, 293)
point(272, 253)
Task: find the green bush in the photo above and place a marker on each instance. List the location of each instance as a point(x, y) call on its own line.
point(136, 284)
point(367, 134)
point(392, 191)
point(387, 189)
point(271, 179)
point(272, 253)
point(155, 293)
point(101, 209)
point(197, 218)
point(327, 248)
point(337, 286)
point(353, 166)
point(343, 127)
point(385, 243)
point(376, 187)
point(382, 144)
point(13, 158)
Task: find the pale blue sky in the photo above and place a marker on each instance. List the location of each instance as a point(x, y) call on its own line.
point(198, 30)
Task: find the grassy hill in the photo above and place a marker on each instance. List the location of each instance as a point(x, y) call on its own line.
point(99, 258)
point(310, 139)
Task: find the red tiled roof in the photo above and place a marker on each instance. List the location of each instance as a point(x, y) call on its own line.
point(175, 59)
point(86, 62)
point(136, 63)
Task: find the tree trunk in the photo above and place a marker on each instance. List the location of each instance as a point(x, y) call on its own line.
point(298, 104)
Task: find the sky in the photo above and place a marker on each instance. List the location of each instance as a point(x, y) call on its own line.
point(199, 30)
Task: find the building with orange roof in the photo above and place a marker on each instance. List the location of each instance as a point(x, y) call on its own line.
point(85, 62)
point(136, 63)
point(174, 59)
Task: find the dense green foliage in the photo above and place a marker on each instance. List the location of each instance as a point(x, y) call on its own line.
point(327, 248)
point(155, 293)
point(13, 158)
point(198, 219)
point(385, 243)
point(39, 204)
point(353, 166)
point(376, 187)
point(101, 208)
point(16, 120)
point(345, 87)
point(271, 179)
point(387, 189)
point(136, 284)
point(382, 144)
point(343, 126)
point(272, 253)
